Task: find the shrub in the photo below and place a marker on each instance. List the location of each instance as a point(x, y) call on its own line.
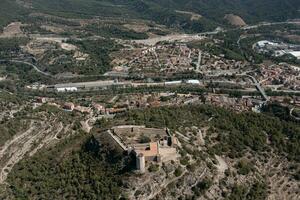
point(178, 172)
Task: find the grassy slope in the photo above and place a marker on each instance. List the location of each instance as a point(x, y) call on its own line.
point(9, 11)
point(251, 10)
point(68, 171)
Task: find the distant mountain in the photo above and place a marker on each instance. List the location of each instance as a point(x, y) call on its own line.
point(166, 11)
point(251, 10)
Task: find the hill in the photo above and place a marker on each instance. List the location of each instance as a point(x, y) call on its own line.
point(162, 12)
point(244, 156)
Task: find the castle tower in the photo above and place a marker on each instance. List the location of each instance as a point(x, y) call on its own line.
point(140, 163)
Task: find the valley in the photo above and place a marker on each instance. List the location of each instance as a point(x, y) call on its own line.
point(149, 99)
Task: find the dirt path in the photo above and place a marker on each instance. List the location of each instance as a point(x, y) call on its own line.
point(14, 150)
point(159, 188)
point(85, 126)
point(114, 99)
point(16, 138)
point(49, 138)
point(222, 164)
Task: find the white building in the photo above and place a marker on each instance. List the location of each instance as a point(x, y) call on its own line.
point(295, 53)
point(173, 82)
point(264, 43)
point(67, 89)
point(193, 82)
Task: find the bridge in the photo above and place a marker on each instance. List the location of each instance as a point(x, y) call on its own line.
point(259, 88)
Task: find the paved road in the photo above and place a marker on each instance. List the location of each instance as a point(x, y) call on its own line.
point(92, 84)
point(288, 91)
point(291, 114)
point(258, 86)
point(109, 83)
point(153, 41)
point(199, 61)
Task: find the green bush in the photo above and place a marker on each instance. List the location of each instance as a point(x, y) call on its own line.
point(202, 186)
point(178, 171)
point(153, 168)
point(144, 139)
point(244, 167)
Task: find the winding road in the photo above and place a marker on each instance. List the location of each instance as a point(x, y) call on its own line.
point(27, 63)
point(291, 114)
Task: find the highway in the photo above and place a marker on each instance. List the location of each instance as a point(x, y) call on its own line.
point(188, 37)
point(92, 84)
point(110, 83)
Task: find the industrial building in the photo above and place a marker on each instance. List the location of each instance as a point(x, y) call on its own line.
point(277, 49)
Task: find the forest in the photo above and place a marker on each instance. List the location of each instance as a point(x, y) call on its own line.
point(240, 132)
point(163, 12)
point(67, 171)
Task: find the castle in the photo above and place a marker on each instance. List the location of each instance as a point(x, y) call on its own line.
point(146, 144)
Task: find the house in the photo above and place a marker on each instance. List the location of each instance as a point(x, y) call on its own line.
point(99, 108)
point(41, 100)
point(69, 106)
point(83, 109)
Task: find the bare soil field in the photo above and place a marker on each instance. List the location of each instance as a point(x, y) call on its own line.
point(194, 16)
point(54, 29)
point(12, 30)
point(235, 20)
point(140, 28)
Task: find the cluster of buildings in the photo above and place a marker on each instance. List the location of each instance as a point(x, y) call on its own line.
point(72, 107)
point(168, 58)
point(280, 76)
point(244, 103)
point(277, 49)
point(238, 104)
point(291, 100)
point(209, 64)
point(93, 108)
point(123, 103)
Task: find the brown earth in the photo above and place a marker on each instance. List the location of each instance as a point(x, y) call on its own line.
point(12, 30)
point(235, 20)
point(194, 16)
